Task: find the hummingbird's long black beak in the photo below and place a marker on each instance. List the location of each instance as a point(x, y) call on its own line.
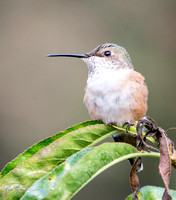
point(70, 55)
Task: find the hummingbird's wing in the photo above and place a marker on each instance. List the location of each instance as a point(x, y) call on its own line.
point(139, 94)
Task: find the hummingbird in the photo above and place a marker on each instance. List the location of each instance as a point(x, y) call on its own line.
point(115, 93)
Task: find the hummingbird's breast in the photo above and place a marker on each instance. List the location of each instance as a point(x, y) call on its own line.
point(116, 96)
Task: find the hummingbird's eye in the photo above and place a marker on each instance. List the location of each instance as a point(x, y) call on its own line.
point(107, 53)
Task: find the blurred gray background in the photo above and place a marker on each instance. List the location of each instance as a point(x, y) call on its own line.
point(41, 96)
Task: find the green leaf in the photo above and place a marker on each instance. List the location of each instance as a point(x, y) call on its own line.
point(36, 147)
point(152, 193)
point(41, 188)
point(82, 172)
point(44, 160)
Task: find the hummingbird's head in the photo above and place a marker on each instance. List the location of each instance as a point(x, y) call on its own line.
point(104, 57)
point(108, 56)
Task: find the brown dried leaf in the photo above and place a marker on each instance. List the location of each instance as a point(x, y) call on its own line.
point(165, 163)
point(134, 180)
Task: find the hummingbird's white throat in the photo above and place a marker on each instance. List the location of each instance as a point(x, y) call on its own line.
point(106, 80)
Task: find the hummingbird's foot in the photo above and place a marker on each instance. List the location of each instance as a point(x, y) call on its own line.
point(128, 124)
point(112, 124)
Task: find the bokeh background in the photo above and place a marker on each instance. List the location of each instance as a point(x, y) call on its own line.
point(41, 96)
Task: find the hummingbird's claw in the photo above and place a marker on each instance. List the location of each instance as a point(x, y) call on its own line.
point(128, 124)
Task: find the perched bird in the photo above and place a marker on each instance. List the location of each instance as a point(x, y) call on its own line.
point(115, 92)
